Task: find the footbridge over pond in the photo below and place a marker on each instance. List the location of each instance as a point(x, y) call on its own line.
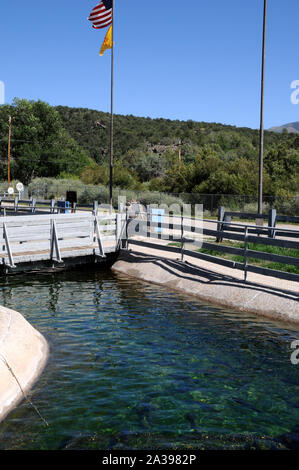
point(56, 240)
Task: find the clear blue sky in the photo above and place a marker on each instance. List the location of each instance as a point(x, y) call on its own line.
point(197, 59)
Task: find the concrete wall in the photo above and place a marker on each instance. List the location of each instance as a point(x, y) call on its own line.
point(212, 286)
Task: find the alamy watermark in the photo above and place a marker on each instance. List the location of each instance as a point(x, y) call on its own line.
point(167, 222)
point(295, 353)
point(295, 93)
point(2, 92)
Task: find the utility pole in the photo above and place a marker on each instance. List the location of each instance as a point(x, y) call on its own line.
point(180, 153)
point(261, 156)
point(8, 151)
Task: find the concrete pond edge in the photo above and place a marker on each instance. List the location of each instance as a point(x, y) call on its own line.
point(217, 289)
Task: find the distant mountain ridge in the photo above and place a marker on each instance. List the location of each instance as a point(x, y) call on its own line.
point(292, 127)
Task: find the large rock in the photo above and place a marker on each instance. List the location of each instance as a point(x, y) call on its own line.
point(23, 356)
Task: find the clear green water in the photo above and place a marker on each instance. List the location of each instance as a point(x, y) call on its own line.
point(135, 366)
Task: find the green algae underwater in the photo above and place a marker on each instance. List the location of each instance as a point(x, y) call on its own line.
point(137, 366)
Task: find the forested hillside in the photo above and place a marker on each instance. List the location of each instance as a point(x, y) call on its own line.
point(184, 156)
point(150, 154)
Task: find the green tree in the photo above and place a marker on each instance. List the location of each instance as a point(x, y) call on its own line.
point(40, 144)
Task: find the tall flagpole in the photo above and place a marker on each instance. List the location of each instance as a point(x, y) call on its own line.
point(111, 118)
point(8, 151)
point(261, 156)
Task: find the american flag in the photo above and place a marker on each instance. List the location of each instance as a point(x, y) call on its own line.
point(101, 15)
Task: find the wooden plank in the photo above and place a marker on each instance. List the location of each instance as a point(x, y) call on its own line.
point(23, 233)
point(107, 237)
point(273, 257)
point(45, 256)
point(24, 228)
point(108, 217)
point(43, 229)
point(279, 218)
point(107, 228)
point(252, 239)
point(247, 215)
point(30, 247)
point(26, 235)
point(294, 234)
point(257, 230)
point(70, 219)
point(168, 226)
point(36, 220)
point(273, 242)
point(74, 224)
point(74, 234)
point(33, 237)
point(287, 218)
point(273, 273)
point(253, 254)
point(219, 233)
point(263, 231)
point(75, 243)
point(171, 226)
point(17, 225)
point(25, 220)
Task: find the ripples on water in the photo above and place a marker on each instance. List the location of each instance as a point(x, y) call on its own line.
point(133, 365)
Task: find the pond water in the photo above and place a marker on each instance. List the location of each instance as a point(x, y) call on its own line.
point(136, 366)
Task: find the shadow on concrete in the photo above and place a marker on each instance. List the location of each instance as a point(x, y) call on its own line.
point(185, 270)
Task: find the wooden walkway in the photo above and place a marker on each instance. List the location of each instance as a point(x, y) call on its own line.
point(58, 237)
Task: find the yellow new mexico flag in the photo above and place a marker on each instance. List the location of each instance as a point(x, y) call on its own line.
point(107, 44)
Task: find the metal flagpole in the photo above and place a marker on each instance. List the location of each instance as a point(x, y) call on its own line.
point(8, 151)
point(261, 156)
point(111, 121)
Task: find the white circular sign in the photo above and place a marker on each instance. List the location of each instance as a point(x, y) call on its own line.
point(20, 187)
point(10, 190)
